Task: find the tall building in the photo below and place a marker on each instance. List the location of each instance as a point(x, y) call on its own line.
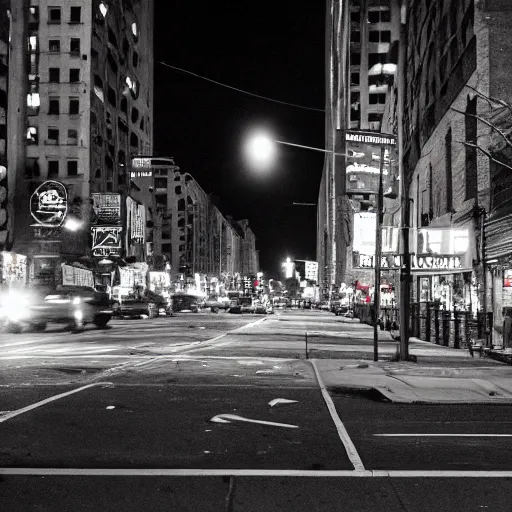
point(358, 39)
point(82, 106)
point(456, 69)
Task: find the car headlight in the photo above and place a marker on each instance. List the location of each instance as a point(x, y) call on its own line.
point(76, 300)
point(78, 315)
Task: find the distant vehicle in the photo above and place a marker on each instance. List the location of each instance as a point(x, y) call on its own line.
point(235, 307)
point(185, 303)
point(241, 305)
point(259, 308)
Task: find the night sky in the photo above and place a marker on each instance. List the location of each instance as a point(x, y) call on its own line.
point(272, 48)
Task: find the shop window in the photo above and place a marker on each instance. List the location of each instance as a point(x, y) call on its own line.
point(54, 75)
point(74, 106)
point(32, 135)
point(54, 15)
point(74, 46)
point(72, 137)
point(53, 168)
point(74, 75)
point(75, 15)
point(72, 167)
point(53, 136)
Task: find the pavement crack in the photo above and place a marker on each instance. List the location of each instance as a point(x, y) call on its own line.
point(400, 500)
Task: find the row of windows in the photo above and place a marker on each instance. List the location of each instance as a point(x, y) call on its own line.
point(54, 45)
point(54, 106)
point(55, 15)
point(373, 59)
point(53, 136)
point(53, 169)
point(382, 16)
point(54, 75)
point(374, 36)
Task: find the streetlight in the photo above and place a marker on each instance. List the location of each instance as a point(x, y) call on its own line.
point(72, 224)
point(261, 147)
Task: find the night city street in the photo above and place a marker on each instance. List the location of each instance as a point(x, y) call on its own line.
point(133, 425)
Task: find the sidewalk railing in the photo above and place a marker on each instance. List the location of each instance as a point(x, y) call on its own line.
point(428, 322)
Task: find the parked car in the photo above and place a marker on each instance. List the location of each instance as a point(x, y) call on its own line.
point(185, 303)
point(235, 307)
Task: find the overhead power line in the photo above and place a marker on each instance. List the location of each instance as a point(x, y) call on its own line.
point(242, 90)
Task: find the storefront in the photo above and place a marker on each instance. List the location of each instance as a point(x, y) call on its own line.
point(14, 270)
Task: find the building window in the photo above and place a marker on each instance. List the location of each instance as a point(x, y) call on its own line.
point(377, 99)
point(72, 167)
point(355, 36)
point(75, 15)
point(33, 103)
point(110, 186)
point(74, 75)
point(54, 16)
point(53, 168)
point(33, 17)
point(74, 106)
point(32, 44)
point(32, 135)
point(448, 170)
point(54, 106)
point(160, 182)
point(430, 192)
point(379, 16)
point(161, 199)
point(354, 79)
point(166, 248)
point(74, 46)
point(72, 137)
point(53, 136)
point(376, 58)
point(54, 45)
point(355, 17)
point(471, 152)
point(54, 75)
point(355, 59)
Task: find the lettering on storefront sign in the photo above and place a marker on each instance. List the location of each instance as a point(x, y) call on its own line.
point(47, 233)
point(418, 262)
point(141, 174)
point(369, 139)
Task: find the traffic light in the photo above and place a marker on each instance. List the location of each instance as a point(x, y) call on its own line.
point(3, 206)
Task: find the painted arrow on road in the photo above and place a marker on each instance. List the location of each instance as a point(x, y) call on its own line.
point(225, 418)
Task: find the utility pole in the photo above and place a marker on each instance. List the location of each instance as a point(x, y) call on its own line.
point(405, 267)
point(378, 257)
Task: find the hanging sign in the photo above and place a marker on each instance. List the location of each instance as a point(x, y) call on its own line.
point(49, 204)
point(107, 209)
point(106, 241)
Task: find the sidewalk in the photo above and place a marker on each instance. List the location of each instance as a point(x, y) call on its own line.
point(412, 383)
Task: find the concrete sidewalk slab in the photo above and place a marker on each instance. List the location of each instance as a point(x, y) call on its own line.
point(345, 376)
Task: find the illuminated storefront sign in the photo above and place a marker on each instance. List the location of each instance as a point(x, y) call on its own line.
point(106, 241)
point(49, 204)
point(74, 276)
point(418, 262)
point(135, 221)
point(107, 209)
point(363, 161)
point(364, 235)
point(312, 271)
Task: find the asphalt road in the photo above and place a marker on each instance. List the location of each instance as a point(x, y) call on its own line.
point(135, 431)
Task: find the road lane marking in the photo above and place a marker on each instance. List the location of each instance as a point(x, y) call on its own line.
point(443, 435)
point(225, 418)
point(48, 400)
point(342, 431)
point(254, 472)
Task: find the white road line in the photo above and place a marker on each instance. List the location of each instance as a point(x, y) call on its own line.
point(443, 435)
point(48, 400)
point(342, 431)
point(255, 472)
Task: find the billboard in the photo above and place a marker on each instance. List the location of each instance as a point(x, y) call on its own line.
point(49, 204)
point(107, 209)
point(364, 151)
